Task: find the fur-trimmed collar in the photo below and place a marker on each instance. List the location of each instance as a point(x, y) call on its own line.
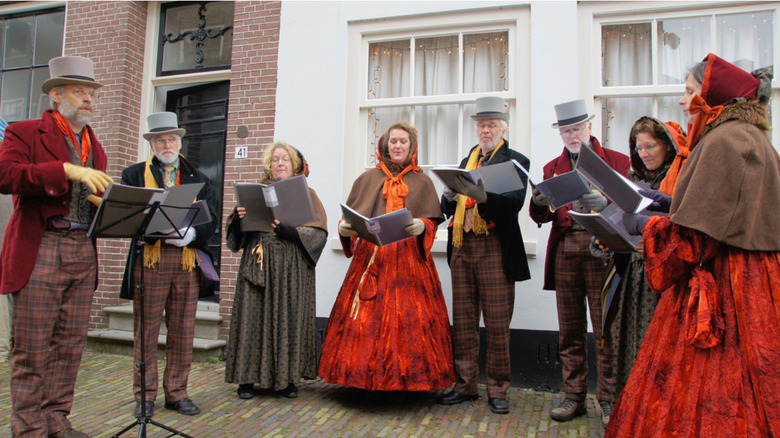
point(750, 111)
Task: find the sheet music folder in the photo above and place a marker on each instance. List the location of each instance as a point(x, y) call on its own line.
point(497, 178)
point(287, 201)
point(608, 228)
point(124, 210)
point(381, 230)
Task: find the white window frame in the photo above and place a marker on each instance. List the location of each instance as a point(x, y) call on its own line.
point(514, 19)
point(153, 87)
point(593, 16)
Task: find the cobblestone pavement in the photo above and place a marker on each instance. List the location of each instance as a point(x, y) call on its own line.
point(104, 405)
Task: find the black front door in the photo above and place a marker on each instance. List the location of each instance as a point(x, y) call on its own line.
point(202, 111)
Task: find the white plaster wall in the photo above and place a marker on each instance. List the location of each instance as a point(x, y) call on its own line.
point(311, 105)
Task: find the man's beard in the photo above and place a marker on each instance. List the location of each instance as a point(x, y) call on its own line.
point(166, 160)
point(73, 115)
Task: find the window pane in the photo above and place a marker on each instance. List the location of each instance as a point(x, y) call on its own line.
point(745, 39)
point(470, 138)
point(197, 36)
point(669, 109)
point(379, 119)
point(15, 86)
point(626, 54)
point(3, 38)
point(618, 116)
point(681, 43)
point(388, 69)
point(18, 46)
point(485, 57)
point(438, 134)
point(436, 66)
point(40, 101)
point(49, 29)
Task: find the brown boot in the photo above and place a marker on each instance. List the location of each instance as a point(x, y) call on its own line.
point(568, 409)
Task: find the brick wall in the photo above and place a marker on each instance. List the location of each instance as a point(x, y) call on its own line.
point(112, 35)
point(252, 104)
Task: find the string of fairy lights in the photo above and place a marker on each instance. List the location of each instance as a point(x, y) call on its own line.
point(675, 32)
point(399, 50)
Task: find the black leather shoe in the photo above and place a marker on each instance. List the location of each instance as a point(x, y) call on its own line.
point(246, 390)
point(184, 406)
point(290, 392)
point(149, 409)
point(498, 405)
point(453, 398)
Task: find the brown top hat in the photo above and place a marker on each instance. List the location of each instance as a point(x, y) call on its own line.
point(163, 123)
point(75, 70)
point(491, 107)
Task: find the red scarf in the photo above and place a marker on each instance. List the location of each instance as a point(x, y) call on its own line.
point(86, 144)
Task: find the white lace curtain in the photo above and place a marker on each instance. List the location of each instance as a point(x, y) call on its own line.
point(435, 73)
point(743, 39)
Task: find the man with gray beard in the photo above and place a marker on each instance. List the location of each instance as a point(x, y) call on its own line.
point(55, 168)
point(170, 274)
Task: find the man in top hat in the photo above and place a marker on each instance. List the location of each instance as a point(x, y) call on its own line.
point(54, 167)
point(572, 271)
point(486, 255)
point(170, 274)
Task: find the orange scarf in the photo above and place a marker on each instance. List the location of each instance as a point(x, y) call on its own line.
point(395, 190)
point(668, 183)
point(707, 115)
point(86, 144)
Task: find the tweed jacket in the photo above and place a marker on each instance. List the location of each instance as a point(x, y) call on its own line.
point(31, 158)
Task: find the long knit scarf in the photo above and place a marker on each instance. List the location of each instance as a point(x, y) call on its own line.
point(86, 143)
point(464, 203)
point(152, 252)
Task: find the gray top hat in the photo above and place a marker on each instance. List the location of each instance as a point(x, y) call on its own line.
point(75, 70)
point(491, 107)
point(571, 113)
point(163, 123)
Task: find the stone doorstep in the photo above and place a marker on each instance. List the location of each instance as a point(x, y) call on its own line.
point(207, 320)
point(121, 342)
point(118, 337)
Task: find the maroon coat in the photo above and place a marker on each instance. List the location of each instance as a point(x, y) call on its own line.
point(31, 158)
point(560, 217)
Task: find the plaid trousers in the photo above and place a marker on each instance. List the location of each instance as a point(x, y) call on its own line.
point(50, 316)
point(166, 288)
point(479, 282)
point(578, 276)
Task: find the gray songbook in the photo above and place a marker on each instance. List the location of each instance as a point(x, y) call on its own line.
point(608, 228)
point(287, 201)
point(381, 230)
point(497, 178)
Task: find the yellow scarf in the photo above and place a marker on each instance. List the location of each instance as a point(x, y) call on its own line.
point(480, 226)
point(152, 251)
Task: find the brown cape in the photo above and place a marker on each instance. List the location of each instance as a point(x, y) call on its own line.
point(422, 200)
point(729, 188)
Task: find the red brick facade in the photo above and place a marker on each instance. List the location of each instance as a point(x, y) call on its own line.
point(113, 35)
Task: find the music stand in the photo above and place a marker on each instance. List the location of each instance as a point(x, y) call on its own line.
point(130, 216)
